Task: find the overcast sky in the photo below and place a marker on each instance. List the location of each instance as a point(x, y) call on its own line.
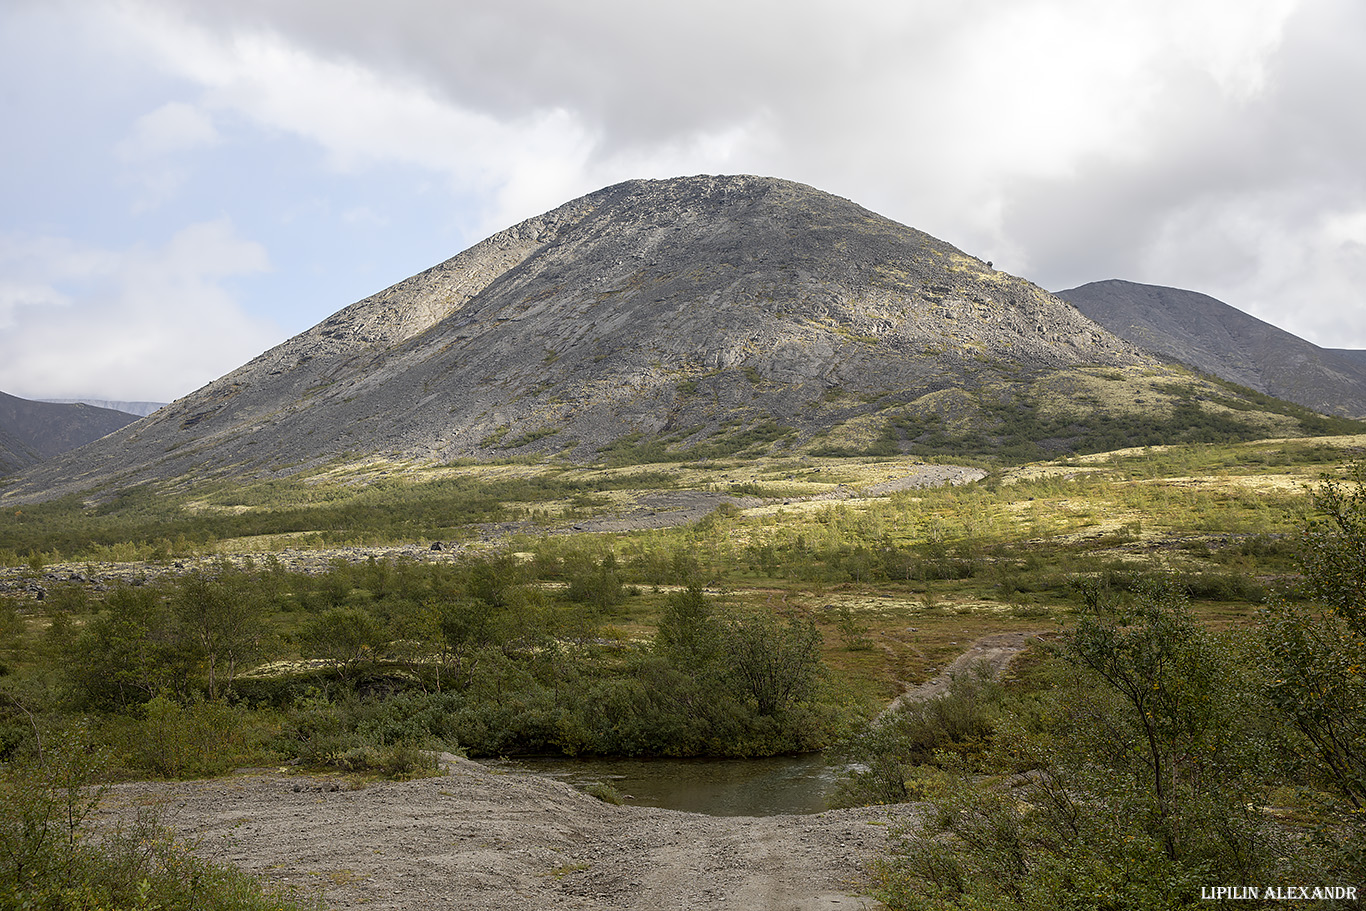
point(185, 183)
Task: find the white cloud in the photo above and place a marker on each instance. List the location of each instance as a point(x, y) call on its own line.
point(139, 324)
point(362, 117)
point(154, 149)
point(15, 295)
point(517, 160)
point(1044, 92)
point(1288, 256)
point(173, 127)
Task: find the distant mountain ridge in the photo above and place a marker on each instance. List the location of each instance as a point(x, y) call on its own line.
point(1211, 336)
point(140, 409)
point(31, 432)
point(1355, 354)
point(688, 318)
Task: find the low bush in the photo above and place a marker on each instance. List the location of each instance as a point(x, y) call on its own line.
point(355, 735)
point(51, 861)
point(196, 740)
point(945, 730)
point(604, 792)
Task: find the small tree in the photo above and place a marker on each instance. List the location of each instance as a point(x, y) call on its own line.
point(1143, 778)
point(595, 583)
point(348, 637)
point(687, 635)
point(1318, 650)
point(1171, 725)
point(1318, 684)
point(224, 618)
point(776, 664)
point(1333, 551)
point(46, 800)
point(131, 651)
point(468, 626)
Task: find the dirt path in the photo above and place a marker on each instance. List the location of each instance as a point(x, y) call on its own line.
point(670, 509)
point(995, 652)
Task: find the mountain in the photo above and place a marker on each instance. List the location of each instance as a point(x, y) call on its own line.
point(1353, 354)
point(685, 318)
point(140, 409)
point(33, 431)
point(15, 454)
point(1220, 340)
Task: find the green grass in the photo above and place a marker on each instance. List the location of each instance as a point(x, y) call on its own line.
point(1077, 413)
point(158, 524)
point(986, 556)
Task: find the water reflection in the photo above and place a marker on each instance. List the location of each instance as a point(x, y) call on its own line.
point(725, 787)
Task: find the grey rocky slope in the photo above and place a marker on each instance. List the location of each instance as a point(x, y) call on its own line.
point(686, 311)
point(1220, 340)
point(33, 431)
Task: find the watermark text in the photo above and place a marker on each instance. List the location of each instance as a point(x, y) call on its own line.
point(1278, 893)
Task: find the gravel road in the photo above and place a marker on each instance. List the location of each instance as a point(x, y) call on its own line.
point(994, 652)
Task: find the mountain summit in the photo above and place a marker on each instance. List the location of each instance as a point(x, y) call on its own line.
point(701, 314)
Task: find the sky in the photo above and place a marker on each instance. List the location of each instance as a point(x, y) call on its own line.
point(186, 183)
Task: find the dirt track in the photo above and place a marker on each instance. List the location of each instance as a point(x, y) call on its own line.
point(995, 652)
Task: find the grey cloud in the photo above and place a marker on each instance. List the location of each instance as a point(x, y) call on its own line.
point(1272, 170)
point(862, 99)
point(640, 72)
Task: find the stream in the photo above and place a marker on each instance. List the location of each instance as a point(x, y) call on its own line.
point(777, 786)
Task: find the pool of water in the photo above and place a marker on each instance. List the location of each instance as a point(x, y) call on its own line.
point(718, 787)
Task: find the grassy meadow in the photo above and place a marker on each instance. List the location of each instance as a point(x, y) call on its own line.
point(895, 583)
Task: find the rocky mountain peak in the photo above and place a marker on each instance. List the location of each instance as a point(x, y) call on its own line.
point(687, 310)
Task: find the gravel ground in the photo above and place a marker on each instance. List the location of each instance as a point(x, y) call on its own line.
point(476, 838)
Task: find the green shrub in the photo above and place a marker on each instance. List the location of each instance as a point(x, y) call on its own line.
point(407, 759)
point(388, 736)
point(1136, 781)
point(956, 725)
point(604, 792)
point(49, 860)
point(197, 740)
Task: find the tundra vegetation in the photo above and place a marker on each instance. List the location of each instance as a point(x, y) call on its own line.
point(1191, 714)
